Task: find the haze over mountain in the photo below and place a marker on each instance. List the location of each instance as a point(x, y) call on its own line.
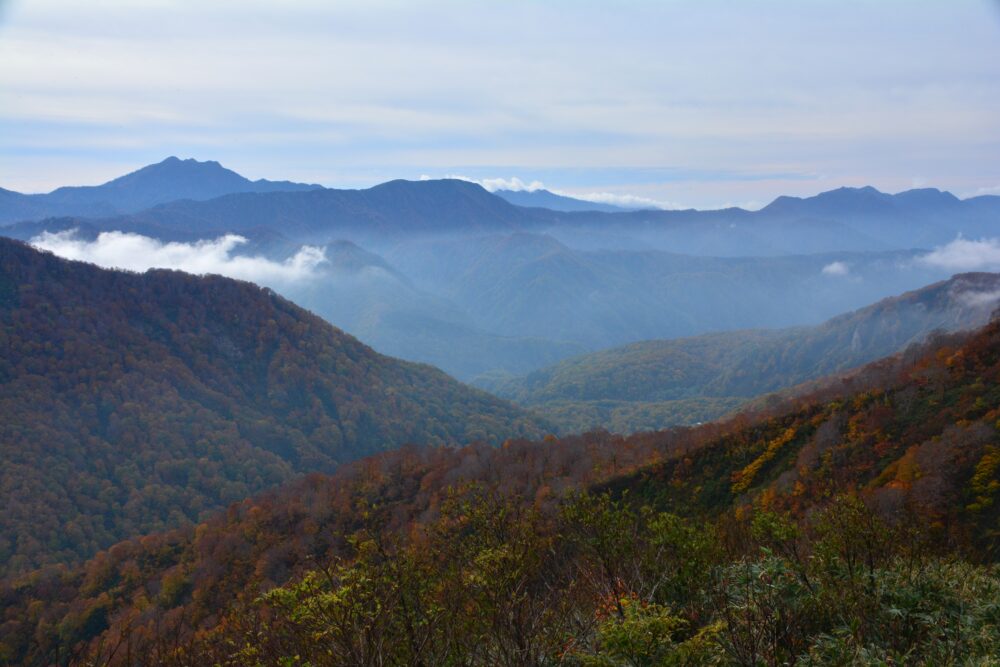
point(846, 219)
point(460, 278)
point(134, 402)
point(660, 383)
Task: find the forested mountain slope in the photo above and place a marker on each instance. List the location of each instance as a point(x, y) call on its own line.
point(136, 402)
point(858, 493)
point(663, 382)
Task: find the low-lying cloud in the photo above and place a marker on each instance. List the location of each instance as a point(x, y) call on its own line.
point(836, 269)
point(625, 201)
point(515, 184)
point(965, 255)
point(979, 299)
point(134, 252)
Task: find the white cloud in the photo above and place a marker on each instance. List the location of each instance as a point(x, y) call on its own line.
point(515, 184)
point(134, 252)
point(986, 190)
point(965, 255)
point(836, 269)
point(979, 299)
point(625, 201)
point(493, 184)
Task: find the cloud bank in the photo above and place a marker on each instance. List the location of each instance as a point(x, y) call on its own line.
point(134, 252)
point(965, 255)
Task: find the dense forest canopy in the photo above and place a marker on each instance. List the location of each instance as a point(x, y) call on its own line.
point(137, 402)
point(854, 523)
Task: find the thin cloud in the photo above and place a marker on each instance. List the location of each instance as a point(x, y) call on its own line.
point(625, 201)
point(965, 255)
point(515, 184)
point(989, 190)
point(979, 299)
point(134, 252)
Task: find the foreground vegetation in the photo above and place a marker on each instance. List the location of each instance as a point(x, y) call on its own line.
point(605, 582)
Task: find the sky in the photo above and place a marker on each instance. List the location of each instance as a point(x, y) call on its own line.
point(703, 103)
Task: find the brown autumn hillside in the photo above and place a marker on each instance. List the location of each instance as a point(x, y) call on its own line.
point(133, 403)
point(914, 437)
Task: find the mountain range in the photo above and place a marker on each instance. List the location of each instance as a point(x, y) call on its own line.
point(444, 272)
point(214, 200)
point(196, 470)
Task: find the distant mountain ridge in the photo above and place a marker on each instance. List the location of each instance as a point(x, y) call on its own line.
point(632, 387)
point(134, 402)
point(189, 197)
point(170, 180)
point(481, 287)
point(865, 200)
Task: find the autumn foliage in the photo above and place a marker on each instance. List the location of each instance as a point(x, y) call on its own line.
point(856, 523)
point(137, 403)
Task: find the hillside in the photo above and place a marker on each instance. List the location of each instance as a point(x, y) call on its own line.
point(857, 494)
point(659, 383)
point(137, 402)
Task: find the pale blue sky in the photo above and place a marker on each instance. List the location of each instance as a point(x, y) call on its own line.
point(703, 103)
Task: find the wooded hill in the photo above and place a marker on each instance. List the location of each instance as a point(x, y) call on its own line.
point(659, 383)
point(132, 403)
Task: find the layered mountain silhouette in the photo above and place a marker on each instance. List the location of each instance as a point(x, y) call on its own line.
point(461, 278)
point(134, 402)
point(166, 181)
point(216, 200)
point(654, 384)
